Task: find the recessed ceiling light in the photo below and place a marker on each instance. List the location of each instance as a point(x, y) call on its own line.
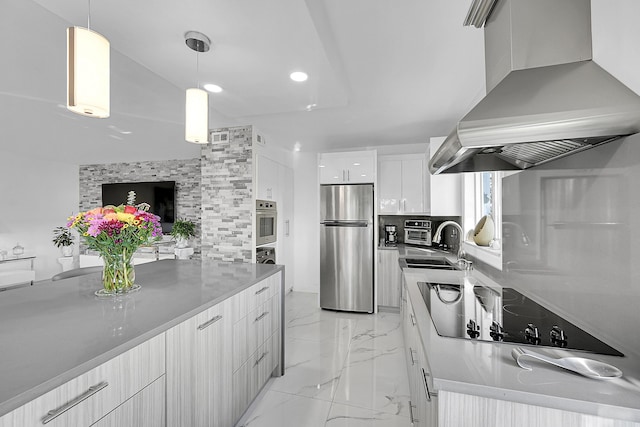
point(297, 146)
point(311, 107)
point(212, 88)
point(298, 76)
point(356, 164)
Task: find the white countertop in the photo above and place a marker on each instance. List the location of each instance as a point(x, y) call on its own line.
point(487, 369)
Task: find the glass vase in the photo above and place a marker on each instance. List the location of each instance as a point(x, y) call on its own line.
point(118, 276)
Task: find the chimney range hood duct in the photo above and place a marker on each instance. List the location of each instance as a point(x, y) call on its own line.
point(553, 102)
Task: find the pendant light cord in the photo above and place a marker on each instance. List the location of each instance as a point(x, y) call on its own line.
point(89, 16)
point(197, 69)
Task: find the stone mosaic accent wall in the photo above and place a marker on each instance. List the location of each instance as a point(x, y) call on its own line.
point(227, 197)
point(186, 174)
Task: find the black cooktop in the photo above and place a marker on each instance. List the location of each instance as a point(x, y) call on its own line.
point(486, 314)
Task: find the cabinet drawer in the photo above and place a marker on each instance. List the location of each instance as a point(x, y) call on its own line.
point(145, 409)
point(249, 379)
point(258, 294)
point(89, 397)
point(253, 330)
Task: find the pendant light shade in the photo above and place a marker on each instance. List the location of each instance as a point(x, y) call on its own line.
point(87, 73)
point(196, 127)
point(196, 121)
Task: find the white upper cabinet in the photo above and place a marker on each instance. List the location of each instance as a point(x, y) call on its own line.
point(446, 189)
point(353, 167)
point(267, 178)
point(401, 184)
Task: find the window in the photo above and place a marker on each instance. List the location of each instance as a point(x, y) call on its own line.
point(483, 196)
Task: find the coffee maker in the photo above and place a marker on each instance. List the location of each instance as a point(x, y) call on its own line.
point(390, 235)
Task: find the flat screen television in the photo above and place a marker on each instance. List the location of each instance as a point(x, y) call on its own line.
point(161, 196)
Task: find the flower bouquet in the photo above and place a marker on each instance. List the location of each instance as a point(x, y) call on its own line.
point(116, 232)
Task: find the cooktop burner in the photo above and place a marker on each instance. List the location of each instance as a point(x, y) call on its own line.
point(485, 314)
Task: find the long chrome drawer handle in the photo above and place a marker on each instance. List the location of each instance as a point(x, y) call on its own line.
point(413, 420)
point(259, 291)
point(261, 316)
point(51, 415)
point(429, 394)
point(413, 319)
point(261, 357)
point(209, 323)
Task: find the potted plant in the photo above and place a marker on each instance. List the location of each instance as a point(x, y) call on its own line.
point(182, 230)
point(63, 239)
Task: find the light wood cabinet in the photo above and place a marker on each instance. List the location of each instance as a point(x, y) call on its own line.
point(145, 409)
point(256, 341)
point(423, 402)
point(90, 396)
point(199, 369)
point(353, 167)
point(401, 184)
point(389, 278)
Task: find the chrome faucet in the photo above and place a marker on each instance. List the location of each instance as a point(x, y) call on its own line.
point(438, 236)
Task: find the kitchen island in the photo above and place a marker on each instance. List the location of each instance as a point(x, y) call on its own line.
point(57, 332)
point(474, 383)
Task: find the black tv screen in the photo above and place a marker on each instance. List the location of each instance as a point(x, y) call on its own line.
point(160, 195)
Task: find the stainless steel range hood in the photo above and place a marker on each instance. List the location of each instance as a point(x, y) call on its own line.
point(549, 100)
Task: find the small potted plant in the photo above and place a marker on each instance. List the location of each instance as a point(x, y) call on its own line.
point(182, 230)
point(63, 239)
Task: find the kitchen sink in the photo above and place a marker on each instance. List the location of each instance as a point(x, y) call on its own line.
point(431, 263)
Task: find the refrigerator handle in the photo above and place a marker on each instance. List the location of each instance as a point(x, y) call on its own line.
point(345, 223)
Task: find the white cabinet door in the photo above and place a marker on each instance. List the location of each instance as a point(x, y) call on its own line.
point(284, 249)
point(412, 186)
point(389, 186)
point(199, 369)
point(351, 167)
point(267, 178)
point(401, 184)
point(360, 168)
point(446, 189)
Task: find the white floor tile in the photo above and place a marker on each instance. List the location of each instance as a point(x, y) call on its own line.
point(287, 410)
point(352, 363)
point(350, 416)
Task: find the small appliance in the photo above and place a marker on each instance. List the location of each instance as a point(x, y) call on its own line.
point(266, 222)
point(417, 232)
point(390, 235)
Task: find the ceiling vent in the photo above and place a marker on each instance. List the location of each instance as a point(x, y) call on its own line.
point(259, 139)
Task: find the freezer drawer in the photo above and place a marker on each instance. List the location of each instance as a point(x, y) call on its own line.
point(346, 266)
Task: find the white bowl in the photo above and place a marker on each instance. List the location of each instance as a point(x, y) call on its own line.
point(484, 231)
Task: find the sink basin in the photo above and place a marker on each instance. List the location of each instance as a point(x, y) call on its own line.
point(431, 263)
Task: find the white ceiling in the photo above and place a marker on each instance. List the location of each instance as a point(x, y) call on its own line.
point(381, 72)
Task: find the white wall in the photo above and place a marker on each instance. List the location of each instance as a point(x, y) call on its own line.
point(36, 196)
point(307, 222)
point(615, 39)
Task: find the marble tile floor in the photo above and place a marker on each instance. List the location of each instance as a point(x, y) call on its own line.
point(342, 370)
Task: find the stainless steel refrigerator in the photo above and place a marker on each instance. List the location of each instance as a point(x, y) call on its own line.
point(346, 247)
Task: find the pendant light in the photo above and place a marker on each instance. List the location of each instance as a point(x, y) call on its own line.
point(196, 123)
point(87, 71)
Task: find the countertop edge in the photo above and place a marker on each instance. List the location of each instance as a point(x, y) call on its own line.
point(21, 399)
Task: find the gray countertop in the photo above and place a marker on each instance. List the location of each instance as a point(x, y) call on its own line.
point(487, 369)
point(54, 331)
